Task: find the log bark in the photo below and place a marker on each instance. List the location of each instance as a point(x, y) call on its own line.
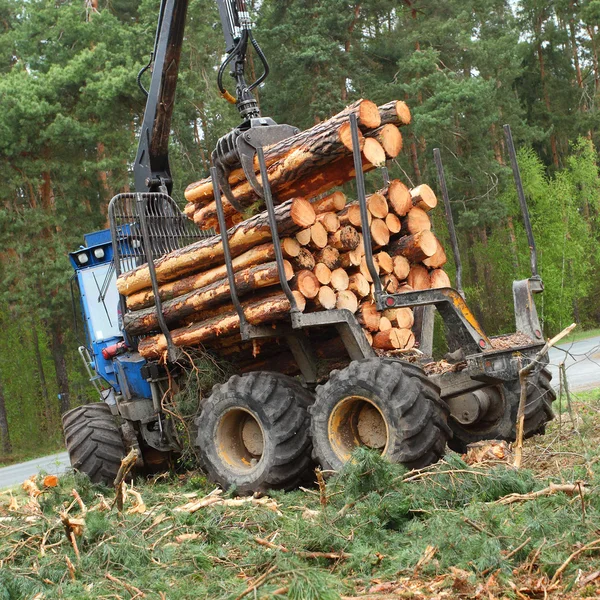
point(322, 273)
point(424, 197)
point(304, 261)
point(416, 247)
point(253, 278)
point(266, 310)
point(329, 256)
point(395, 112)
point(415, 221)
point(209, 251)
point(438, 259)
point(418, 278)
point(390, 139)
point(258, 255)
point(345, 239)
point(439, 279)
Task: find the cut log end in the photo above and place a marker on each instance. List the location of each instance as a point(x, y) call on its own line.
point(424, 197)
point(399, 198)
point(374, 153)
point(346, 300)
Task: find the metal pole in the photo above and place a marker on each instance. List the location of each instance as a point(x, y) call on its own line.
point(227, 252)
point(522, 201)
point(364, 215)
point(437, 156)
point(273, 224)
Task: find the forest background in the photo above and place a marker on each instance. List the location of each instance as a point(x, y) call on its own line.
point(70, 109)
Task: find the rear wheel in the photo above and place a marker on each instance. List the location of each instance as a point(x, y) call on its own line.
point(383, 404)
point(491, 413)
point(253, 432)
point(94, 442)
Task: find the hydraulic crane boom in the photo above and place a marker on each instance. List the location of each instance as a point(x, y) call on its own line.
point(152, 171)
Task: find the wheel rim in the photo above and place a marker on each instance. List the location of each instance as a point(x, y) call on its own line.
point(356, 421)
point(240, 439)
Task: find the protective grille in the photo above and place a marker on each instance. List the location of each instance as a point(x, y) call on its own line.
point(166, 228)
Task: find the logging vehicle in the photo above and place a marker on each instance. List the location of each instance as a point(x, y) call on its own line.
point(322, 382)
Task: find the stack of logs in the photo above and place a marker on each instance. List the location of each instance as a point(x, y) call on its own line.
point(322, 242)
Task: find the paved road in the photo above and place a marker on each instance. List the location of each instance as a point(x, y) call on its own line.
point(582, 361)
point(16, 474)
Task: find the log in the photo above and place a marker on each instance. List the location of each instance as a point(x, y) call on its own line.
point(401, 267)
point(261, 254)
point(390, 283)
point(253, 278)
point(351, 216)
point(384, 324)
point(364, 269)
point(424, 198)
point(189, 210)
point(377, 205)
point(266, 310)
point(359, 285)
point(290, 247)
point(345, 239)
point(415, 247)
point(318, 236)
point(380, 234)
point(415, 221)
point(324, 138)
point(395, 112)
point(438, 259)
point(207, 252)
point(418, 278)
point(393, 339)
point(402, 318)
point(306, 283)
point(350, 259)
point(303, 237)
point(399, 198)
point(373, 153)
point(439, 279)
point(326, 299)
point(330, 221)
point(322, 273)
point(368, 316)
point(329, 256)
point(389, 137)
point(332, 203)
point(405, 288)
point(346, 300)
point(393, 223)
point(304, 261)
point(385, 262)
point(339, 280)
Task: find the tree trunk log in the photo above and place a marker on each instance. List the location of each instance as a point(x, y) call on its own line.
point(393, 339)
point(424, 197)
point(368, 316)
point(439, 279)
point(339, 280)
point(306, 283)
point(418, 278)
point(395, 112)
point(332, 203)
point(377, 205)
point(380, 234)
point(207, 252)
point(266, 310)
point(329, 256)
point(325, 299)
point(330, 221)
point(401, 267)
point(345, 239)
point(390, 139)
point(261, 276)
point(438, 259)
point(415, 247)
point(415, 221)
point(322, 273)
point(399, 198)
point(346, 300)
point(304, 261)
point(359, 285)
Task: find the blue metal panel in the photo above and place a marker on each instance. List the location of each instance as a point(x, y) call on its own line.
point(97, 238)
point(128, 367)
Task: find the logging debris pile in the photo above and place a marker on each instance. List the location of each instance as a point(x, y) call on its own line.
point(322, 240)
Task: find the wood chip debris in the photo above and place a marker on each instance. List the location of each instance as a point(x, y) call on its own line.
point(215, 499)
point(512, 340)
point(488, 451)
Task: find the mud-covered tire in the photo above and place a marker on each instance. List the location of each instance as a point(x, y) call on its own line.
point(278, 405)
point(410, 419)
point(538, 412)
point(94, 443)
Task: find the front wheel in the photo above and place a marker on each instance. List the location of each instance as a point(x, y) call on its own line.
point(384, 404)
point(253, 432)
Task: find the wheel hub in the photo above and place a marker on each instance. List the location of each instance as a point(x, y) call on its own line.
point(357, 421)
point(474, 407)
point(240, 439)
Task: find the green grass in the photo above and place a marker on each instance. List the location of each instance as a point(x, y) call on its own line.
point(579, 335)
point(442, 530)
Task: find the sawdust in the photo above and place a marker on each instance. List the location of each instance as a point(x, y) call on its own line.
point(512, 340)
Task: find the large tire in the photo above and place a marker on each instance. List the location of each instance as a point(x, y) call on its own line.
point(94, 442)
point(538, 412)
point(386, 404)
point(253, 433)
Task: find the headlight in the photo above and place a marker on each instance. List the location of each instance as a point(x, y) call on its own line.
point(99, 253)
point(83, 258)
